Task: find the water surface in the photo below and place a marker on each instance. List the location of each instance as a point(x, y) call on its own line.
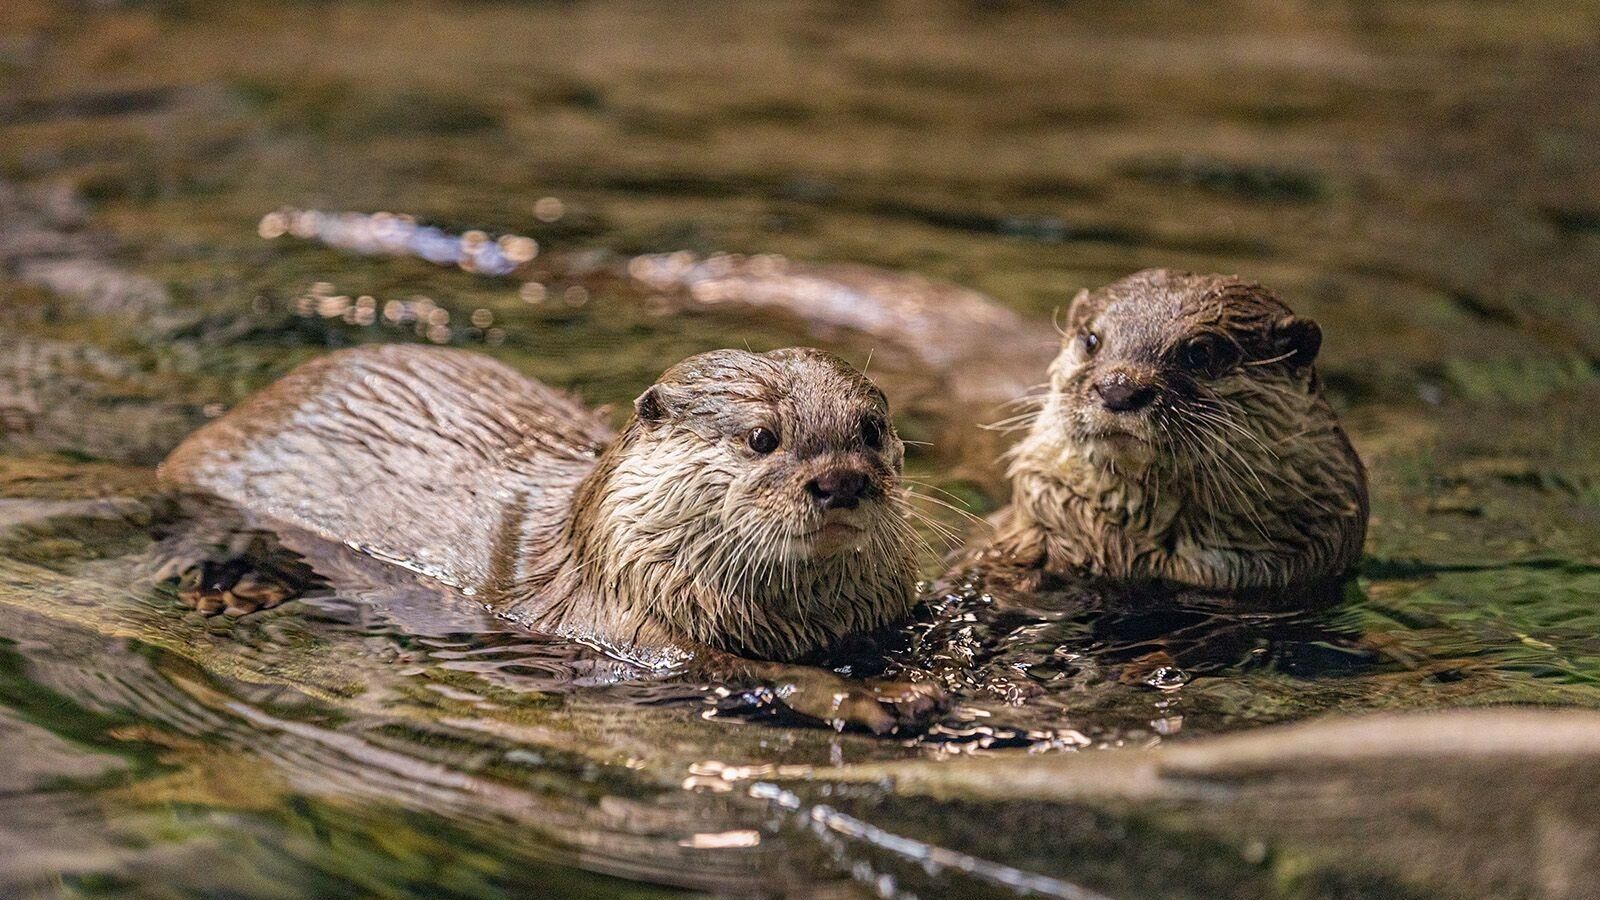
point(1418, 177)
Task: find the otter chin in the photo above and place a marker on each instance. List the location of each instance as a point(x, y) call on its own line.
point(751, 504)
point(837, 536)
point(1184, 437)
point(1127, 448)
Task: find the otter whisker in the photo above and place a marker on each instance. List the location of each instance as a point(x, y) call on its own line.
point(743, 555)
point(1019, 422)
point(1248, 469)
point(934, 525)
point(1210, 488)
point(1031, 393)
point(899, 522)
point(1267, 362)
point(1219, 415)
point(1271, 471)
point(1226, 475)
point(958, 510)
point(1238, 454)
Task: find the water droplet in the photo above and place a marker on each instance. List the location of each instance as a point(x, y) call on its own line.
point(1167, 678)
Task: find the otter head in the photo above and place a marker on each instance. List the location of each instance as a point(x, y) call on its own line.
point(1185, 437)
point(753, 504)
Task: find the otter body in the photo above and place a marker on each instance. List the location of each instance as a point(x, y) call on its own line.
point(751, 505)
point(1184, 438)
point(434, 459)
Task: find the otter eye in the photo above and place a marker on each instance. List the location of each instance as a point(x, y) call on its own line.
point(872, 433)
point(762, 440)
point(1091, 343)
point(1207, 356)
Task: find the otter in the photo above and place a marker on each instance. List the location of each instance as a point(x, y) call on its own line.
point(1184, 438)
point(1197, 450)
point(751, 507)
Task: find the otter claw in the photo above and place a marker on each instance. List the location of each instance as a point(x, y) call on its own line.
point(212, 590)
point(863, 711)
point(876, 706)
point(913, 700)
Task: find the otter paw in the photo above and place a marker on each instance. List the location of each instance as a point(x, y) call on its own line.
point(881, 707)
point(233, 587)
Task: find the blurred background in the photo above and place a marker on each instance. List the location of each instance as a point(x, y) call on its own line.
point(1421, 177)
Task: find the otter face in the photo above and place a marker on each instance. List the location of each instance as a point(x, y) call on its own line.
point(795, 449)
point(754, 504)
point(1159, 362)
point(1184, 436)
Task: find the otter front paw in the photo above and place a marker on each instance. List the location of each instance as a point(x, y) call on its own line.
point(881, 707)
point(234, 587)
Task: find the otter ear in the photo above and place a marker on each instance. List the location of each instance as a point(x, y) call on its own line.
point(651, 407)
point(1078, 302)
point(1297, 339)
point(1064, 326)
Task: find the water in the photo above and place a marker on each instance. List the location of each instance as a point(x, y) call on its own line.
point(1417, 177)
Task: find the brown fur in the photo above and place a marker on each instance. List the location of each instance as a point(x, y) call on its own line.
point(1235, 477)
point(673, 534)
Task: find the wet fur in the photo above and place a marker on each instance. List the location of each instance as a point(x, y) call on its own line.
point(1245, 480)
point(672, 534)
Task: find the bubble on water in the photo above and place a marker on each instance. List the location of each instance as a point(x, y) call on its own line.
point(386, 233)
point(1167, 678)
point(303, 224)
point(517, 248)
point(549, 209)
point(332, 307)
point(273, 225)
point(1168, 726)
point(1254, 852)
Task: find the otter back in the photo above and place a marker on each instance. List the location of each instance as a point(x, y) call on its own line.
point(426, 457)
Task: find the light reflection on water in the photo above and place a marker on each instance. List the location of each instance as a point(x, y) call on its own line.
point(382, 711)
point(381, 705)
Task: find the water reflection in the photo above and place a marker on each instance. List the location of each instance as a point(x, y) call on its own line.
point(365, 712)
point(380, 724)
point(383, 711)
point(391, 234)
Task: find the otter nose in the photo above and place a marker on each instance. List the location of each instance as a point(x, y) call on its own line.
point(1119, 393)
point(838, 488)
